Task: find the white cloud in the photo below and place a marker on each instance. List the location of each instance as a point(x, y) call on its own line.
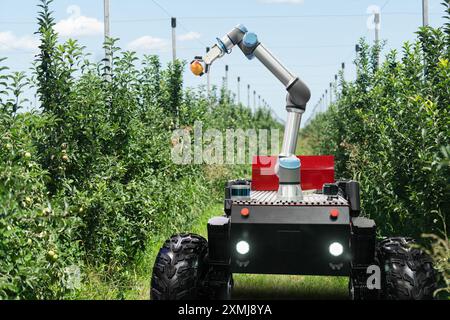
point(77, 25)
point(10, 42)
point(147, 43)
point(189, 36)
point(284, 1)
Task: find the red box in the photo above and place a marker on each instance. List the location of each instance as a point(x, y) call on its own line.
point(314, 172)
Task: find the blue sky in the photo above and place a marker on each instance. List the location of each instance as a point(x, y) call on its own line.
point(311, 38)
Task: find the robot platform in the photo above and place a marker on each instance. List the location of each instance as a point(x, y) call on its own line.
point(310, 198)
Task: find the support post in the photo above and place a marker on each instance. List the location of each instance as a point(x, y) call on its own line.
point(174, 41)
point(248, 97)
point(376, 18)
point(331, 93)
point(226, 78)
point(336, 86)
point(425, 13)
point(238, 90)
point(108, 56)
point(377, 34)
point(208, 79)
point(357, 50)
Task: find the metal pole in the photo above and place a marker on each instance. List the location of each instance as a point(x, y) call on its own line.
point(174, 42)
point(254, 100)
point(108, 55)
point(336, 86)
point(425, 24)
point(331, 92)
point(226, 78)
point(238, 90)
point(377, 34)
point(376, 19)
point(259, 101)
point(248, 97)
point(208, 79)
point(357, 50)
point(425, 13)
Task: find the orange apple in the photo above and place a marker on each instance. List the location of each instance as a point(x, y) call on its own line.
point(196, 68)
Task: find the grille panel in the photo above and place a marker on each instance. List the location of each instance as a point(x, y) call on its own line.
point(269, 198)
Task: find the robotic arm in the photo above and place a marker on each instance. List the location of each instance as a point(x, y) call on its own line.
point(298, 93)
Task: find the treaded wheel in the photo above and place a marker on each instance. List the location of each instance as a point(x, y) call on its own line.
point(406, 272)
point(179, 268)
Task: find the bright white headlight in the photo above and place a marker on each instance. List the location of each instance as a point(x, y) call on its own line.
point(242, 247)
point(336, 249)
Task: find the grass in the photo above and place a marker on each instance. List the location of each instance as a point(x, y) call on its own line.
point(145, 264)
point(246, 286)
point(287, 287)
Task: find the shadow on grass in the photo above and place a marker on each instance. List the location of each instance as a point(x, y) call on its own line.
point(263, 294)
point(284, 287)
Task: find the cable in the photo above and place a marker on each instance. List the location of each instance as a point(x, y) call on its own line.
point(162, 8)
point(347, 57)
point(243, 17)
point(241, 65)
point(180, 24)
point(303, 47)
point(295, 16)
point(385, 4)
point(138, 20)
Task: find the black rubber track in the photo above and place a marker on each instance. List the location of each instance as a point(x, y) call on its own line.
point(179, 268)
point(406, 272)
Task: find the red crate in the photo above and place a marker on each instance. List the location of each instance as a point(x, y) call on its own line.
point(314, 172)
